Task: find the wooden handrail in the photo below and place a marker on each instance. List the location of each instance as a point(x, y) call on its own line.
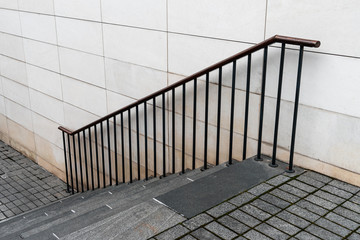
point(265, 43)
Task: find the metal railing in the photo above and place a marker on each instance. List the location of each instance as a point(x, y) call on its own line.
point(83, 150)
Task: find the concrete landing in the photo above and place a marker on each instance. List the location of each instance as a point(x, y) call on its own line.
point(200, 195)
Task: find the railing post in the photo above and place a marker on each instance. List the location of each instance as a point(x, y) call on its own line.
point(194, 125)
point(154, 133)
point(297, 94)
point(137, 141)
point(122, 147)
point(232, 112)
point(146, 147)
point(109, 150)
point(91, 160)
point(130, 152)
point(97, 157)
point(183, 129)
point(66, 168)
point(86, 164)
point(70, 165)
point(76, 173)
point(261, 119)
point(247, 99)
point(278, 102)
point(80, 163)
point(218, 117)
point(164, 134)
point(173, 130)
point(206, 120)
point(115, 152)
point(102, 153)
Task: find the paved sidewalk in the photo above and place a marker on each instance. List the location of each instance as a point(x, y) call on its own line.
point(307, 206)
point(24, 185)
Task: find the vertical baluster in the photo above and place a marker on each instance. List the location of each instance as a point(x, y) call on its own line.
point(109, 150)
point(296, 105)
point(122, 146)
point(91, 160)
point(194, 125)
point(70, 165)
point(232, 111)
point(66, 168)
point(173, 130)
point(130, 152)
point(80, 163)
point(183, 129)
point(218, 117)
point(102, 153)
point(137, 141)
point(262, 102)
point(164, 134)
point(97, 157)
point(206, 120)
point(86, 164)
point(75, 162)
point(278, 102)
point(154, 127)
point(115, 152)
point(146, 150)
point(247, 98)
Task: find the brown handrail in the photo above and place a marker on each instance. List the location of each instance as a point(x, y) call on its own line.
point(267, 42)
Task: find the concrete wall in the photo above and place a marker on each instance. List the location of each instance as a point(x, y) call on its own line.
point(66, 62)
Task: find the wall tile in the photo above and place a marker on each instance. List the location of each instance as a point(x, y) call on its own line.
point(126, 78)
point(149, 14)
point(37, 6)
point(81, 35)
point(83, 9)
point(2, 105)
point(83, 66)
point(13, 69)
point(334, 23)
point(11, 4)
point(76, 117)
point(138, 46)
point(47, 106)
point(10, 22)
point(12, 46)
point(85, 96)
point(16, 92)
point(47, 129)
point(198, 53)
point(41, 54)
point(116, 101)
point(1, 87)
point(38, 27)
point(44, 81)
point(231, 19)
point(22, 138)
point(19, 114)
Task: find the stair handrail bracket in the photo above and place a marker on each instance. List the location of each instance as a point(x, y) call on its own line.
point(87, 147)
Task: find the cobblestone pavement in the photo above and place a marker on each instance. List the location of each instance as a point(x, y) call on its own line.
point(24, 185)
point(307, 206)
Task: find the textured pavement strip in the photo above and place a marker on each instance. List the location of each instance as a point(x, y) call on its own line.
point(24, 185)
point(306, 206)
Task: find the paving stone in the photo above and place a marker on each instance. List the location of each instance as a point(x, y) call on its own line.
point(344, 186)
point(173, 233)
point(333, 227)
point(280, 179)
point(312, 207)
point(221, 209)
point(260, 189)
point(267, 207)
point(271, 232)
point(220, 230)
point(244, 218)
point(354, 236)
point(283, 226)
point(202, 233)
point(284, 195)
point(330, 197)
point(305, 236)
point(240, 238)
point(310, 181)
point(9, 213)
point(321, 202)
point(293, 190)
point(275, 200)
point(254, 235)
point(2, 216)
point(188, 237)
point(197, 221)
point(255, 212)
point(302, 186)
point(352, 206)
point(301, 212)
point(358, 231)
point(321, 233)
point(355, 199)
point(342, 221)
point(348, 214)
point(336, 191)
point(242, 199)
point(233, 224)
